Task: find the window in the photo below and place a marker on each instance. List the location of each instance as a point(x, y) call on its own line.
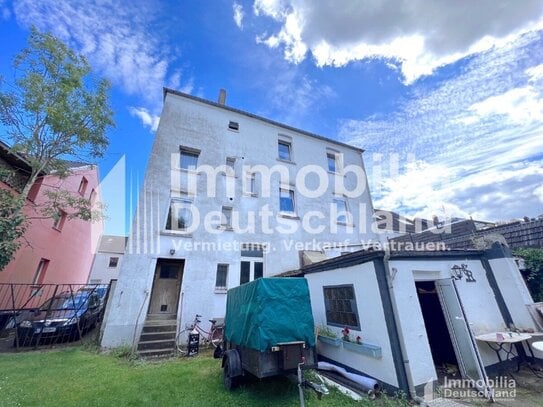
point(59, 220)
point(258, 269)
point(168, 271)
point(179, 216)
point(340, 306)
point(252, 264)
point(113, 262)
point(92, 197)
point(341, 210)
point(233, 126)
point(245, 272)
point(34, 189)
point(250, 184)
point(83, 186)
point(222, 277)
point(226, 220)
point(284, 150)
point(286, 200)
point(189, 158)
point(39, 275)
point(332, 164)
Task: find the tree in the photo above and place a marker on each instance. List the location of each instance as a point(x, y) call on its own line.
point(533, 260)
point(54, 110)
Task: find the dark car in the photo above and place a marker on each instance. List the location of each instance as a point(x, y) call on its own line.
point(66, 316)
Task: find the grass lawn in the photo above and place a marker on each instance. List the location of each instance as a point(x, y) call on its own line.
point(77, 377)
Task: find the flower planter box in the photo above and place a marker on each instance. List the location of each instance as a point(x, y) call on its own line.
point(330, 341)
point(367, 349)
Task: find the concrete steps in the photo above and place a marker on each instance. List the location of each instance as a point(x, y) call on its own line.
point(158, 336)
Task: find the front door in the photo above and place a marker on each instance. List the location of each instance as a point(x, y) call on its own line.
point(166, 287)
point(467, 354)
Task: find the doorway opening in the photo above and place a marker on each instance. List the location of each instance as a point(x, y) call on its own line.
point(166, 287)
point(437, 331)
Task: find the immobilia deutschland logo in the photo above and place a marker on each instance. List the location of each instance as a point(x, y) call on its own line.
point(499, 388)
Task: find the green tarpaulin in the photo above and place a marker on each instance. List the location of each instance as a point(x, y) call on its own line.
point(269, 311)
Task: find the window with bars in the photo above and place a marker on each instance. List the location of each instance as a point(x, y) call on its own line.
point(340, 306)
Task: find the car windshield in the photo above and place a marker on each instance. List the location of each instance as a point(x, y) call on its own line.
point(68, 302)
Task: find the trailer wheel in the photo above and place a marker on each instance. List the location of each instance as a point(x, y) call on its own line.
point(232, 369)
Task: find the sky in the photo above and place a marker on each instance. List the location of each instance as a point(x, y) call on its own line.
point(446, 98)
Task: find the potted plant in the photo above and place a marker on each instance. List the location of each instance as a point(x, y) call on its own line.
point(358, 346)
point(326, 335)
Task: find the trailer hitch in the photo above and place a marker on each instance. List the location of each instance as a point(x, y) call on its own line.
point(319, 389)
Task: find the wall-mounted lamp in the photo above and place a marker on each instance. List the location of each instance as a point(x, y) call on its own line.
point(172, 251)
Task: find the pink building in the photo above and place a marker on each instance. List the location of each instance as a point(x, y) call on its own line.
point(55, 251)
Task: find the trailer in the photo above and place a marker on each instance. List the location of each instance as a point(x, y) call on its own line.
point(269, 330)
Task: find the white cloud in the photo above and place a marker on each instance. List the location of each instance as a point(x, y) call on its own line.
point(538, 192)
point(238, 15)
point(535, 73)
point(520, 105)
point(148, 120)
point(419, 35)
point(482, 130)
point(118, 40)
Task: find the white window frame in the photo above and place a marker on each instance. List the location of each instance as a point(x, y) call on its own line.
point(282, 139)
point(338, 158)
point(249, 184)
point(349, 216)
point(185, 202)
point(226, 222)
point(116, 263)
point(252, 260)
point(188, 151)
point(221, 288)
point(292, 193)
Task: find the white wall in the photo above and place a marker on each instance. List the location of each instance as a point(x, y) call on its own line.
point(188, 123)
point(370, 312)
point(477, 299)
point(101, 273)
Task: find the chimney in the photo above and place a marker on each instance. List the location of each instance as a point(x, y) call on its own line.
point(222, 97)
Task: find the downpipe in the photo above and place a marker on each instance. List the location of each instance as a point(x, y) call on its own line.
point(405, 360)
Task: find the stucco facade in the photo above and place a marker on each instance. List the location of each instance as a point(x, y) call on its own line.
point(108, 259)
point(57, 251)
point(219, 135)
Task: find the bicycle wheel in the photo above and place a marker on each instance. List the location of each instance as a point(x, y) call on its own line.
point(216, 336)
point(182, 349)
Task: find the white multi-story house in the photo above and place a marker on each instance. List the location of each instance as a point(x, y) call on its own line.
point(108, 259)
point(229, 197)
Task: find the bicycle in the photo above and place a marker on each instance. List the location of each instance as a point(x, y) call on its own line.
point(213, 336)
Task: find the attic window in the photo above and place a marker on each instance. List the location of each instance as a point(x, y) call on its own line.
point(233, 126)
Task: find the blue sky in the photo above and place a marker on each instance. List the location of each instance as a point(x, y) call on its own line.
point(445, 97)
